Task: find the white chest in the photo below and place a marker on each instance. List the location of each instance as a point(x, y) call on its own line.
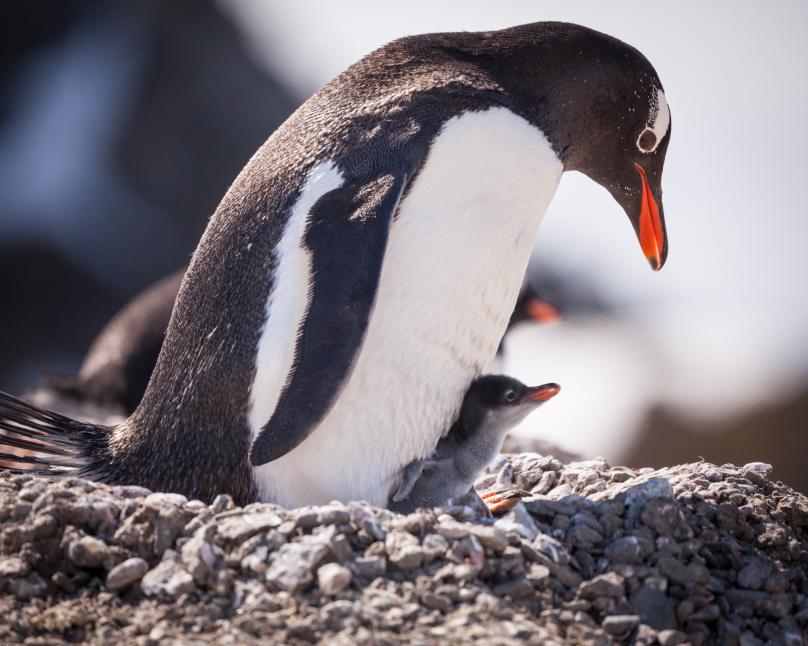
point(455, 259)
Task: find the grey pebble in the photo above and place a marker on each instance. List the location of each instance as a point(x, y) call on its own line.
point(126, 573)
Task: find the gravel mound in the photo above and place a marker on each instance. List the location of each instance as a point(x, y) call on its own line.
point(693, 553)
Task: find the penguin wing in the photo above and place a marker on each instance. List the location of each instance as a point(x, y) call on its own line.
point(346, 236)
point(408, 479)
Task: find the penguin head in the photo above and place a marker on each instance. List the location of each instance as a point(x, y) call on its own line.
point(600, 104)
point(500, 402)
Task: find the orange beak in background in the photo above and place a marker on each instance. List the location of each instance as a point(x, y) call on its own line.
point(542, 311)
point(652, 235)
point(542, 393)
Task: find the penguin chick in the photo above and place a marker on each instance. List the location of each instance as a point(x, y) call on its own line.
point(493, 405)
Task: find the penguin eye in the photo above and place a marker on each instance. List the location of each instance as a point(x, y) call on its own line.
point(510, 396)
point(647, 141)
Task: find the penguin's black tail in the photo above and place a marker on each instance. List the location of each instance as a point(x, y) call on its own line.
point(33, 440)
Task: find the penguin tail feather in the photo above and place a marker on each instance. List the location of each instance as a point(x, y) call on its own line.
point(33, 440)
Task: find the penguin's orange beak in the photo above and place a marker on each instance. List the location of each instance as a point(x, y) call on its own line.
point(651, 230)
point(542, 393)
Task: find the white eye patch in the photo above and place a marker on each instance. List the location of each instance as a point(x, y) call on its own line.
point(659, 118)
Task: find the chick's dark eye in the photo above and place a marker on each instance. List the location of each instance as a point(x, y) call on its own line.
point(647, 141)
point(510, 396)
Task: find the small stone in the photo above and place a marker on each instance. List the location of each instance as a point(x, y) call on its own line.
point(436, 601)
point(654, 607)
point(754, 574)
point(610, 584)
point(584, 535)
point(776, 582)
point(639, 494)
point(403, 550)
point(452, 529)
point(87, 552)
point(28, 587)
point(13, 566)
point(680, 573)
point(292, 565)
point(222, 502)
point(238, 529)
point(362, 517)
point(628, 549)
point(664, 516)
point(490, 537)
point(434, 546)
point(126, 573)
point(762, 469)
point(168, 578)
point(368, 567)
point(620, 625)
point(334, 513)
point(671, 637)
point(520, 521)
point(333, 578)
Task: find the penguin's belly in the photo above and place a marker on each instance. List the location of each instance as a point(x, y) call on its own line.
point(455, 259)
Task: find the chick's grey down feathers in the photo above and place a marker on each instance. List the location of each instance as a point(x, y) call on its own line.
point(493, 405)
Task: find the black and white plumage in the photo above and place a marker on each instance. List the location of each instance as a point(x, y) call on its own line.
point(361, 270)
point(493, 405)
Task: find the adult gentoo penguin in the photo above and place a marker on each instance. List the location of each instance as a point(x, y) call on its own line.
point(360, 272)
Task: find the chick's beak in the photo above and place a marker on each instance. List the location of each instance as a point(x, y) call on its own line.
point(651, 230)
point(541, 393)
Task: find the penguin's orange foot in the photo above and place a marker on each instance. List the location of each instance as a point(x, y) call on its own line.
point(500, 501)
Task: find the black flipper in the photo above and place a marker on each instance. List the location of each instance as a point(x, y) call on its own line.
point(347, 236)
point(409, 477)
point(59, 444)
point(412, 473)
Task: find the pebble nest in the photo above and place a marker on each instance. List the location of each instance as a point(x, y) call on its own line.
point(695, 553)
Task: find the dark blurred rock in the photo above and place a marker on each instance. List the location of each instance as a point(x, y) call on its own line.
point(129, 121)
point(774, 433)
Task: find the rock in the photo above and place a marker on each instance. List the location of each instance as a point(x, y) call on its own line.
point(492, 538)
point(28, 587)
point(403, 550)
point(665, 517)
point(199, 555)
point(333, 578)
point(334, 513)
point(520, 521)
point(620, 625)
point(654, 607)
point(671, 637)
point(222, 502)
point(87, 552)
point(368, 567)
point(237, 529)
point(610, 584)
point(754, 574)
point(638, 494)
point(628, 549)
point(13, 566)
point(168, 578)
point(125, 574)
point(291, 567)
point(362, 517)
point(677, 571)
point(434, 546)
point(759, 470)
